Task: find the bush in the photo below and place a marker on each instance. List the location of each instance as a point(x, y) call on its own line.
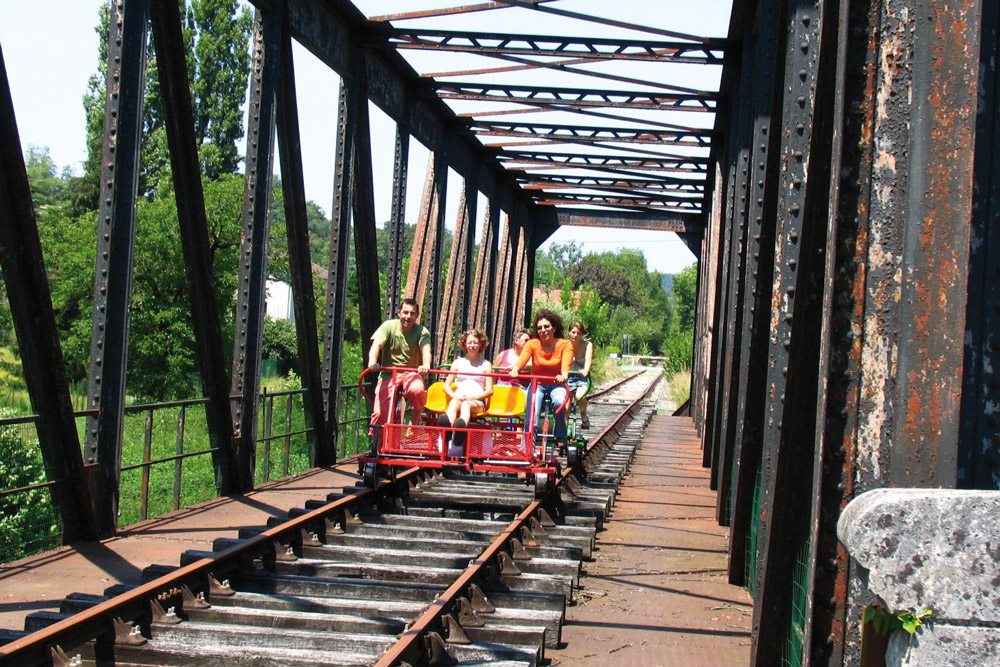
point(27, 520)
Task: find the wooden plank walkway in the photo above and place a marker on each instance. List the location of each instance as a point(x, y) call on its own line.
point(656, 592)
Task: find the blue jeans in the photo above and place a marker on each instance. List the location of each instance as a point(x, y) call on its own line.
point(557, 394)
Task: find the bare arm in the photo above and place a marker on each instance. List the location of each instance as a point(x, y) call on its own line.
point(425, 353)
point(373, 355)
point(588, 360)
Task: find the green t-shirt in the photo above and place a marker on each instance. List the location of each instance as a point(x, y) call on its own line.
point(401, 349)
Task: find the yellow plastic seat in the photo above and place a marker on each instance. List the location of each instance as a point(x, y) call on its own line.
point(437, 400)
point(507, 401)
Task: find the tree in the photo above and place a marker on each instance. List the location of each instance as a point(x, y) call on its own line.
point(680, 338)
point(551, 265)
point(218, 33)
point(47, 187)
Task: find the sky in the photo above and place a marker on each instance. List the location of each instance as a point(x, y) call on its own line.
point(50, 51)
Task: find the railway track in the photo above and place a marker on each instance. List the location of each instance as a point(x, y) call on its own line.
point(431, 567)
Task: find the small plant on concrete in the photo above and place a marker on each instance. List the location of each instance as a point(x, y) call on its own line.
point(885, 621)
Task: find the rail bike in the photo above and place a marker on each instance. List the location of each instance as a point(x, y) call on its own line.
point(502, 438)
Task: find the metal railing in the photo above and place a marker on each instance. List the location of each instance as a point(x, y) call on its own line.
point(158, 473)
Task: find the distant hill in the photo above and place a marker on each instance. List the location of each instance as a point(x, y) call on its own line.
point(667, 283)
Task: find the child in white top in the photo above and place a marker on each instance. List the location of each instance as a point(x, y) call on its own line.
point(472, 385)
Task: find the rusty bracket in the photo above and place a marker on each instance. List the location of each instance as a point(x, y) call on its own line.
point(527, 538)
point(456, 634)
point(467, 615)
point(332, 528)
point(192, 601)
point(309, 538)
point(507, 566)
point(165, 617)
point(518, 551)
point(437, 651)
point(536, 527)
point(215, 588)
point(480, 602)
point(127, 633)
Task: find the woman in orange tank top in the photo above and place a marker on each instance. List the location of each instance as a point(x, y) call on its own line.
point(550, 355)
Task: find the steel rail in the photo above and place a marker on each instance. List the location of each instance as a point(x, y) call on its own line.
point(35, 649)
point(409, 648)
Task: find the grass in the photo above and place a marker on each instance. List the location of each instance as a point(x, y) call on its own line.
point(679, 387)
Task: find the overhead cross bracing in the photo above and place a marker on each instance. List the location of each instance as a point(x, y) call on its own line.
point(568, 97)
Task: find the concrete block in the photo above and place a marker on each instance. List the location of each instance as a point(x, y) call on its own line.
point(936, 548)
point(940, 645)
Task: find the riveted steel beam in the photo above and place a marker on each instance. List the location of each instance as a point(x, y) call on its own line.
point(796, 322)
point(175, 95)
point(574, 98)
point(557, 160)
point(397, 222)
point(320, 437)
point(436, 249)
point(253, 243)
point(709, 52)
point(738, 477)
point(340, 235)
point(454, 310)
point(42, 360)
point(484, 296)
point(979, 443)
point(416, 279)
point(115, 252)
point(328, 29)
point(365, 241)
point(588, 134)
point(556, 181)
point(687, 223)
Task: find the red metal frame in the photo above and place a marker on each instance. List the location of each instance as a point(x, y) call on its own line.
point(493, 444)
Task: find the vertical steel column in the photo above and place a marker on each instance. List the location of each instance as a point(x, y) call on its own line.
point(444, 335)
point(979, 444)
point(253, 243)
point(175, 94)
point(397, 223)
point(737, 259)
point(504, 325)
point(420, 254)
point(365, 240)
point(525, 267)
point(436, 234)
point(340, 237)
point(738, 482)
point(115, 252)
point(837, 450)
point(321, 440)
point(37, 336)
point(825, 623)
point(705, 312)
point(470, 209)
point(735, 180)
point(483, 311)
point(793, 380)
point(937, 210)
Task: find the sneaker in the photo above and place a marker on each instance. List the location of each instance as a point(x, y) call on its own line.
point(443, 420)
point(584, 423)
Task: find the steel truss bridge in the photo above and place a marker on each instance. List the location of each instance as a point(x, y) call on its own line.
point(838, 188)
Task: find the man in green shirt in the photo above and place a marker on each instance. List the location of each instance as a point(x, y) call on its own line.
point(400, 343)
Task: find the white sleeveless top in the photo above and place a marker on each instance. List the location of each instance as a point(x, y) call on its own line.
point(470, 378)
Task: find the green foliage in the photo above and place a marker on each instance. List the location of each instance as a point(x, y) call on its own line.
point(27, 521)
point(886, 622)
point(552, 264)
point(679, 387)
point(279, 343)
point(679, 345)
point(218, 34)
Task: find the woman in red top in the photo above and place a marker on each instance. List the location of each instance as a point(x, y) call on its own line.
point(550, 355)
